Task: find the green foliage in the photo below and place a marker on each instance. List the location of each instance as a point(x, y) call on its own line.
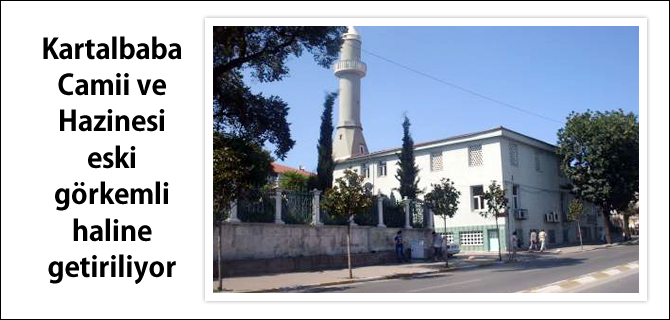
point(443, 199)
point(264, 52)
point(600, 155)
point(408, 171)
point(575, 210)
point(293, 181)
point(244, 122)
point(324, 169)
point(240, 168)
point(348, 196)
point(496, 201)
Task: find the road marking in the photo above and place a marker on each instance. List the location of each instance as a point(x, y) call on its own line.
point(573, 283)
point(612, 272)
point(585, 280)
point(549, 289)
point(444, 285)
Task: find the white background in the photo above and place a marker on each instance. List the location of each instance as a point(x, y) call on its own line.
point(37, 159)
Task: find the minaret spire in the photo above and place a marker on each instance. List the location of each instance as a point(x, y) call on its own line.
point(350, 69)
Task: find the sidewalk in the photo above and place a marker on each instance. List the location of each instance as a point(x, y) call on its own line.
point(464, 260)
point(577, 248)
point(299, 280)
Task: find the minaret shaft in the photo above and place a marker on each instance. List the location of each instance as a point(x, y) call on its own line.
point(349, 140)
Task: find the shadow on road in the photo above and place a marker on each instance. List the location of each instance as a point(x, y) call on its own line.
point(540, 263)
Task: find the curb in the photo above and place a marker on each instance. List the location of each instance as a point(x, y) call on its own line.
point(575, 282)
point(367, 279)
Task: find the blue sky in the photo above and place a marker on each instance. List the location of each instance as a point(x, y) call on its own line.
point(550, 71)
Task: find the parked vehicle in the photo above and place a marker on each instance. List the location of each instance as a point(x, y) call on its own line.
point(452, 249)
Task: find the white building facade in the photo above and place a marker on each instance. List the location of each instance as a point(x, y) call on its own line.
point(526, 167)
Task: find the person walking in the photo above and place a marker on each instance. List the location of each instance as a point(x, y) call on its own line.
point(513, 242)
point(399, 247)
point(543, 240)
point(533, 241)
point(437, 246)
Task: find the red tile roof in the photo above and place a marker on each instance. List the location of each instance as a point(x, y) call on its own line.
point(280, 168)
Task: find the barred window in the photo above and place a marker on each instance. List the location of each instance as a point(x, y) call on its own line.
point(514, 154)
point(449, 237)
point(537, 161)
point(365, 170)
point(381, 169)
point(475, 156)
point(472, 238)
point(436, 161)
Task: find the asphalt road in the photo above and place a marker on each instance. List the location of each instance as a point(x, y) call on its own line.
point(540, 269)
point(626, 283)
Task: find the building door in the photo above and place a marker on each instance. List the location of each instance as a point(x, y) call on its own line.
point(493, 240)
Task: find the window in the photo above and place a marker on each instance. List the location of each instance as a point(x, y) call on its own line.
point(381, 170)
point(475, 157)
point(537, 161)
point(564, 206)
point(362, 147)
point(477, 197)
point(472, 238)
point(365, 170)
point(436, 161)
point(515, 196)
point(340, 137)
point(449, 237)
point(514, 154)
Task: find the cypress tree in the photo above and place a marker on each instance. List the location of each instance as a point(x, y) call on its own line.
point(408, 171)
point(324, 169)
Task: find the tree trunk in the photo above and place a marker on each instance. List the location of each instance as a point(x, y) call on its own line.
point(218, 259)
point(446, 254)
point(626, 216)
point(498, 231)
point(579, 230)
point(351, 275)
point(607, 224)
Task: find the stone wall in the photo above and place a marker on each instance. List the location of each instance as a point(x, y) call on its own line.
point(261, 248)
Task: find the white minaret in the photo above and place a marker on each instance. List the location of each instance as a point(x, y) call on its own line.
point(350, 69)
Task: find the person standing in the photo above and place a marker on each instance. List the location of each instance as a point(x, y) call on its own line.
point(514, 241)
point(533, 241)
point(399, 247)
point(543, 240)
point(437, 246)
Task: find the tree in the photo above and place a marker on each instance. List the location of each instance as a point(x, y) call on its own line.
point(496, 205)
point(247, 121)
point(575, 212)
point(239, 168)
point(293, 181)
point(324, 169)
point(599, 153)
point(408, 171)
point(347, 198)
point(264, 51)
point(443, 201)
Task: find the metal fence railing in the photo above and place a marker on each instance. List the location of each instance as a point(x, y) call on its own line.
point(260, 208)
point(295, 207)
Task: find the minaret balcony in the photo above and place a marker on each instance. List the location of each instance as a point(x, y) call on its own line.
point(355, 66)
